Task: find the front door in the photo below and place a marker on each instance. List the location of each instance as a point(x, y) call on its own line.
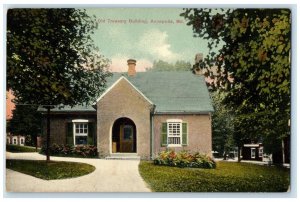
point(126, 138)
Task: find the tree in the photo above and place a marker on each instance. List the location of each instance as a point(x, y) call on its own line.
point(254, 49)
point(179, 65)
point(222, 126)
point(51, 58)
point(26, 120)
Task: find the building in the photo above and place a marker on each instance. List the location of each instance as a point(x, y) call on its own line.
point(141, 113)
point(10, 106)
point(15, 139)
point(253, 151)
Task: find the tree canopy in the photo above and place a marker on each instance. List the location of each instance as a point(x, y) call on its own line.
point(51, 58)
point(179, 65)
point(255, 57)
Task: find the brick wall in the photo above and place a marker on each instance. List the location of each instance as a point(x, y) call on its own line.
point(123, 101)
point(58, 126)
point(199, 132)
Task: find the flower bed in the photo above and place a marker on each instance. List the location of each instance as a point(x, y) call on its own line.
point(88, 151)
point(184, 159)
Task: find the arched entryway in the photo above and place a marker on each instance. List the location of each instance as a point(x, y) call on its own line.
point(124, 136)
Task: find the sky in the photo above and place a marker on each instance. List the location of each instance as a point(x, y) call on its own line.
point(139, 33)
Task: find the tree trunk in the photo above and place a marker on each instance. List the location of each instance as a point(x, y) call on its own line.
point(35, 141)
point(48, 134)
point(239, 154)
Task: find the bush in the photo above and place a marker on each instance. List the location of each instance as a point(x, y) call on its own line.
point(184, 159)
point(88, 151)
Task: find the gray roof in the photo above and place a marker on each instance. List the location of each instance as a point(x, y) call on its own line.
point(171, 92)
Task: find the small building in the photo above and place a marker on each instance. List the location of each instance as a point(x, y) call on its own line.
point(15, 139)
point(141, 113)
point(255, 152)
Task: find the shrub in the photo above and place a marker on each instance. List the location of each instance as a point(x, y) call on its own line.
point(184, 159)
point(72, 151)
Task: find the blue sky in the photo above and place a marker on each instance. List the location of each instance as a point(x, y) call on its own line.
point(145, 38)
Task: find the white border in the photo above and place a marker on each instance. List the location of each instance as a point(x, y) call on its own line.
point(135, 197)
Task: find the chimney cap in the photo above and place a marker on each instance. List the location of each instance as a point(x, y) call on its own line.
point(131, 61)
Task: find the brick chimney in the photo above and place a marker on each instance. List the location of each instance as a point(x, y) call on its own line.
point(196, 67)
point(131, 67)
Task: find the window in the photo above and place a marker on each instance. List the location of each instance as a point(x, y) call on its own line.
point(22, 141)
point(7, 140)
point(128, 132)
point(14, 140)
point(81, 133)
point(253, 153)
point(174, 133)
point(261, 152)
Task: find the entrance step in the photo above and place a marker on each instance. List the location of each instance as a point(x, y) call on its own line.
point(123, 156)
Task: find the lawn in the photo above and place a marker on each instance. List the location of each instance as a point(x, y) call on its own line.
point(227, 177)
point(51, 170)
point(19, 149)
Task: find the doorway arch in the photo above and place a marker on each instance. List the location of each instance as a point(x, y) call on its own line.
point(123, 136)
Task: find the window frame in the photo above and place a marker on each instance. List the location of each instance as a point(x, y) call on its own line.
point(261, 152)
point(78, 122)
point(22, 141)
point(15, 139)
point(251, 152)
point(174, 121)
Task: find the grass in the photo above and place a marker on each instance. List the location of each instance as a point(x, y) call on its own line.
point(227, 177)
point(51, 170)
point(20, 149)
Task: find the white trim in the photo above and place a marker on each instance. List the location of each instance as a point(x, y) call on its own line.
point(175, 145)
point(251, 145)
point(260, 152)
point(114, 84)
point(110, 138)
point(22, 138)
point(80, 121)
point(13, 140)
point(174, 120)
point(253, 157)
point(82, 135)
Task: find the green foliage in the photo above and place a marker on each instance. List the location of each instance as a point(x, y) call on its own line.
point(81, 151)
point(161, 65)
point(50, 170)
point(222, 124)
point(184, 159)
point(19, 149)
point(26, 120)
point(227, 177)
point(51, 58)
point(255, 57)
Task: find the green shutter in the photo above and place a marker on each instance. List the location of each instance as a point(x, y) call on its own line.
point(91, 133)
point(164, 134)
point(184, 134)
point(70, 136)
